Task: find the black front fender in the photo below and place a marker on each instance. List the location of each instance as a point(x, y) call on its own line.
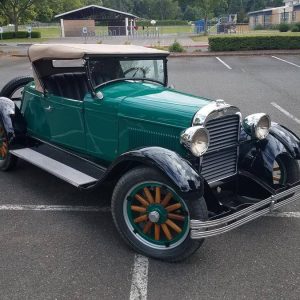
point(13, 122)
point(258, 157)
point(176, 168)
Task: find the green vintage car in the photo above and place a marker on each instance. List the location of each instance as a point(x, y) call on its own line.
point(182, 168)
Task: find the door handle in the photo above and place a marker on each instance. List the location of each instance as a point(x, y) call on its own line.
point(49, 108)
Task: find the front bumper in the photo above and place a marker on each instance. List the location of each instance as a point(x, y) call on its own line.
point(203, 229)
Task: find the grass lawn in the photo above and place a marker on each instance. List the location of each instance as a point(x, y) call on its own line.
point(49, 32)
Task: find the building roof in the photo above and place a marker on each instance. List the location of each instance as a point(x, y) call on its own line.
point(266, 10)
point(77, 51)
point(98, 8)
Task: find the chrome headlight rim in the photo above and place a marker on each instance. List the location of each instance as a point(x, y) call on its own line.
point(191, 136)
point(255, 124)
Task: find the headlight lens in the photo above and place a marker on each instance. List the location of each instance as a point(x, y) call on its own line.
point(196, 139)
point(257, 125)
point(262, 128)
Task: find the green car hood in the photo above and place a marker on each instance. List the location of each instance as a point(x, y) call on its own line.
point(150, 102)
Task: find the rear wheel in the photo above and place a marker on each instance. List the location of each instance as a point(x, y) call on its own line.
point(7, 161)
point(153, 218)
point(14, 89)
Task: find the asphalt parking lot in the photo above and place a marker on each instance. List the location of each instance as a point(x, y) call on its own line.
point(48, 250)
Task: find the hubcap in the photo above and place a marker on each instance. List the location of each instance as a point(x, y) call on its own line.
point(156, 215)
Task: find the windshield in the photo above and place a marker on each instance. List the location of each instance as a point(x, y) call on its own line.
point(107, 69)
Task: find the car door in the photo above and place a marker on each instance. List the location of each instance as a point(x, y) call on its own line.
point(65, 120)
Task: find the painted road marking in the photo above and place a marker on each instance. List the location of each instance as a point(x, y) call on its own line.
point(285, 112)
point(139, 283)
point(223, 62)
point(105, 209)
point(292, 214)
point(288, 62)
point(54, 208)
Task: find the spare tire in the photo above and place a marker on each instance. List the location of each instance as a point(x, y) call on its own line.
point(13, 89)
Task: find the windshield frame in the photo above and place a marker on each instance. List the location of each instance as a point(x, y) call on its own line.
point(94, 88)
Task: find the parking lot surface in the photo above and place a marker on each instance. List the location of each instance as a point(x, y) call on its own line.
point(48, 250)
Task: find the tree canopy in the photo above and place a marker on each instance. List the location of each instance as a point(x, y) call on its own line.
point(24, 11)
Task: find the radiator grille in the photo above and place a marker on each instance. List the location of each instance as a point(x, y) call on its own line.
point(220, 161)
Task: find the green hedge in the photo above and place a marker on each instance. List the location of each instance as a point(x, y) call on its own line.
point(20, 35)
point(255, 42)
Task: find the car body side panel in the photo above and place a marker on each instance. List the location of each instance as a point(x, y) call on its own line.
point(34, 113)
point(66, 121)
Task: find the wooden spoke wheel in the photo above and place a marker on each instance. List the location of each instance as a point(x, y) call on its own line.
point(3, 144)
point(7, 161)
point(156, 214)
point(153, 217)
point(279, 172)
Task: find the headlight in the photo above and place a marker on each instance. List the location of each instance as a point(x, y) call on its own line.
point(196, 139)
point(257, 125)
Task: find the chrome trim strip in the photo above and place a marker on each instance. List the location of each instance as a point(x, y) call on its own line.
point(215, 109)
point(203, 229)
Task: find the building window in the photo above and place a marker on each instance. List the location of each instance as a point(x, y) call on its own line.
point(284, 17)
point(293, 16)
point(256, 20)
point(267, 20)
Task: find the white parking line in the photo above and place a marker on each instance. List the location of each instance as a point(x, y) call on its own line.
point(139, 283)
point(54, 208)
point(285, 112)
point(223, 62)
point(292, 214)
point(288, 62)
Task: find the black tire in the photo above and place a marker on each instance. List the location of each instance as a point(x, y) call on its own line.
point(289, 169)
point(182, 248)
point(7, 161)
point(13, 86)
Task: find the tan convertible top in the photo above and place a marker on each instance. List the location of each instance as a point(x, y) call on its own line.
point(77, 51)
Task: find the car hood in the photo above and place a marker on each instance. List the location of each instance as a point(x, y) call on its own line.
point(158, 104)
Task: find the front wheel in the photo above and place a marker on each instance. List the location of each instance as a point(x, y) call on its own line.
point(153, 218)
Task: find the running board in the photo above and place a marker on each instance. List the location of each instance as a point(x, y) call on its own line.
point(54, 167)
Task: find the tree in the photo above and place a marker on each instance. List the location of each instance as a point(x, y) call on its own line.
point(15, 10)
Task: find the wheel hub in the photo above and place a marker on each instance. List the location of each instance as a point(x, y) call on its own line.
point(154, 216)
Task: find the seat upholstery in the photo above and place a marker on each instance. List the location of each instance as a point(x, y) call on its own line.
point(67, 85)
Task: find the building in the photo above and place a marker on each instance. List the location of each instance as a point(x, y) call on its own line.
point(83, 21)
point(289, 13)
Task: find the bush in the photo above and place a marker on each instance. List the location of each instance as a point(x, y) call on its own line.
point(259, 27)
point(176, 47)
point(254, 42)
point(295, 29)
point(36, 34)
point(284, 27)
point(20, 35)
point(298, 25)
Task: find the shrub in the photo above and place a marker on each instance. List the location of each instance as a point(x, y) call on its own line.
point(295, 29)
point(36, 34)
point(284, 27)
point(254, 42)
point(259, 27)
point(298, 25)
point(20, 35)
point(176, 47)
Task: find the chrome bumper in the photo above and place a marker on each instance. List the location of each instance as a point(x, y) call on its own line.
point(203, 229)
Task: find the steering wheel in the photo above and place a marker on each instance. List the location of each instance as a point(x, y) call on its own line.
point(136, 69)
